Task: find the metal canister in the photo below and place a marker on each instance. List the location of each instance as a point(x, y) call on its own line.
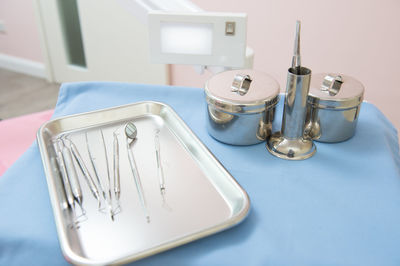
point(333, 106)
point(241, 106)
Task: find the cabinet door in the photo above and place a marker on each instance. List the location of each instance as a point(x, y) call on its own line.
point(95, 40)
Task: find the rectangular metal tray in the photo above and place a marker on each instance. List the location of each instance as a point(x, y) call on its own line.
point(202, 196)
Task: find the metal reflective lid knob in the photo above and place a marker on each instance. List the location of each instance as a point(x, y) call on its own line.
point(241, 84)
point(332, 84)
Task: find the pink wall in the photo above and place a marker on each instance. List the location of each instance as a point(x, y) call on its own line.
point(357, 38)
point(22, 35)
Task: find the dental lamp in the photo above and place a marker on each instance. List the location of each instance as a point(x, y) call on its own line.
point(182, 33)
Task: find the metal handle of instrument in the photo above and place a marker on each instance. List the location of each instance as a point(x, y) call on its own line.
point(117, 184)
point(85, 171)
point(64, 176)
point(136, 177)
point(72, 175)
point(59, 182)
point(159, 166)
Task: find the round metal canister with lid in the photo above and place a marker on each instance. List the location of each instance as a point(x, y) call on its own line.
point(333, 106)
point(241, 106)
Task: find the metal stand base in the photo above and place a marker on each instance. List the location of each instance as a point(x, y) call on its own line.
point(290, 149)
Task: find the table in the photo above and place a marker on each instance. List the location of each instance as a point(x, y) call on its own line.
point(340, 207)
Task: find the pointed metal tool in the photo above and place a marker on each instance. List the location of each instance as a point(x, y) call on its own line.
point(117, 182)
point(160, 170)
point(108, 177)
point(82, 166)
point(72, 175)
point(131, 133)
point(296, 59)
point(291, 143)
point(96, 172)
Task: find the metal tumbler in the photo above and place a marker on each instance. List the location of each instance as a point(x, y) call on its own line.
point(291, 143)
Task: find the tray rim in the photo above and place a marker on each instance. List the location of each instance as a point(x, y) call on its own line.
point(72, 257)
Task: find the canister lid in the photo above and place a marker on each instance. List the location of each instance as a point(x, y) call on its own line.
point(243, 90)
point(335, 91)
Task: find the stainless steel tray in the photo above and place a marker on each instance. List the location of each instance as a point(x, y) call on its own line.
point(202, 196)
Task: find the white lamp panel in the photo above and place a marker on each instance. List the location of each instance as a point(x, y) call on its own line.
point(201, 38)
point(193, 38)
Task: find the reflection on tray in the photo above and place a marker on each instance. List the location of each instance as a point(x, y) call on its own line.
point(107, 193)
point(95, 196)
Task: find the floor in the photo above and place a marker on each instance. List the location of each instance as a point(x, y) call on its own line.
point(23, 94)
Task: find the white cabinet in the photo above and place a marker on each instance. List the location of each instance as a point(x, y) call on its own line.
point(114, 44)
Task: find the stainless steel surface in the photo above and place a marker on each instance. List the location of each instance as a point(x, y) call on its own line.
point(241, 118)
point(66, 186)
point(350, 95)
point(160, 171)
point(87, 176)
point(117, 178)
point(332, 84)
point(131, 133)
point(241, 84)
point(95, 170)
point(332, 110)
point(109, 198)
point(296, 59)
point(295, 103)
point(291, 143)
point(72, 176)
point(64, 175)
point(203, 196)
point(96, 166)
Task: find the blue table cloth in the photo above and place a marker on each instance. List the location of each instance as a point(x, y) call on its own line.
point(340, 207)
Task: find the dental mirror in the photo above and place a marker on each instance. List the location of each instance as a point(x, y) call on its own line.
point(130, 131)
